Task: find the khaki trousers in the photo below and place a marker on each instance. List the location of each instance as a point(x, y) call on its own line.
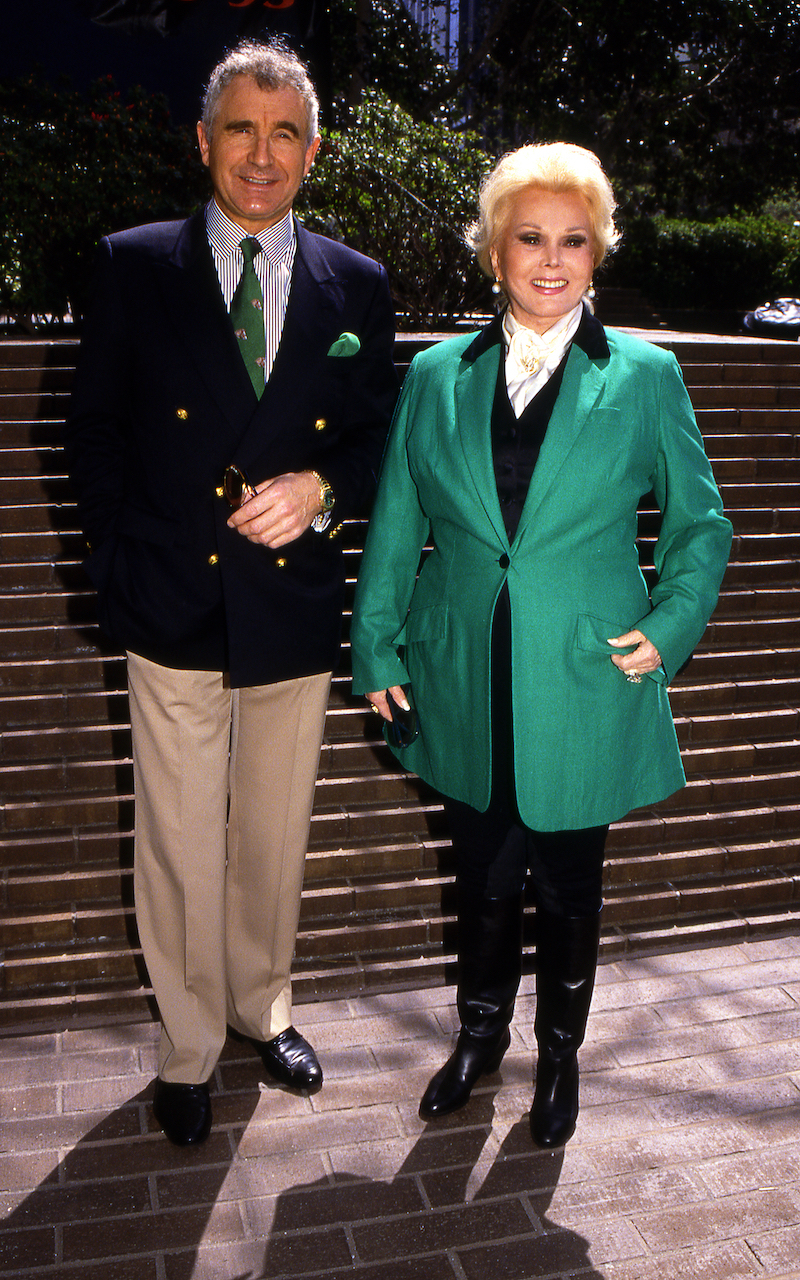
point(224, 786)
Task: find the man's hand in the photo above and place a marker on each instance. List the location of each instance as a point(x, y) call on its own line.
point(280, 510)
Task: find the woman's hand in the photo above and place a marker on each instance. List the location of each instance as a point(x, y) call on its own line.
point(378, 700)
point(644, 658)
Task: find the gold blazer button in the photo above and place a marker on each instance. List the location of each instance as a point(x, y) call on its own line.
point(320, 424)
point(280, 563)
point(219, 491)
point(213, 559)
point(183, 414)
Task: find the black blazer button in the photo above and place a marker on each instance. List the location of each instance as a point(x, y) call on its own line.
point(504, 561)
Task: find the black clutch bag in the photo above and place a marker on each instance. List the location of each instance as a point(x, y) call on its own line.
point(403, 728)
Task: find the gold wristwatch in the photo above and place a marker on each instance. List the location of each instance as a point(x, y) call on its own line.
point(326, 497)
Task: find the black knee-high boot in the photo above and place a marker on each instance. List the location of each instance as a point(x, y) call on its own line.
point(566, 960)
point(489, 969)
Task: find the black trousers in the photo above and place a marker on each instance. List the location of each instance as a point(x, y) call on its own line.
point(495, 850)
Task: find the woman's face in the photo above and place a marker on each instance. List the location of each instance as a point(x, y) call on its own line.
point(544, 258)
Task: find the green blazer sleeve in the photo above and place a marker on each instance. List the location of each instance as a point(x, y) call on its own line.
point(694, 542)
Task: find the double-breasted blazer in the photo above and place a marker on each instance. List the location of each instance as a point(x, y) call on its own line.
point(588, 745)
point(162, 403)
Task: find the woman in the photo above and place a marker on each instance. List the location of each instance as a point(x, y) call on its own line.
point(533, 654)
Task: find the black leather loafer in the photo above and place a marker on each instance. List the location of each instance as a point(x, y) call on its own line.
point(183, 1111)
point(290, 1060)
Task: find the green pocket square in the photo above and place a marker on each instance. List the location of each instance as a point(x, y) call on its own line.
point(347, 344)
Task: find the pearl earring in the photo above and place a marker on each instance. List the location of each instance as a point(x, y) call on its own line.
point(497, 287)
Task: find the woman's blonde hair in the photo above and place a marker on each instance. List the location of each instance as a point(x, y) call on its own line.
point(551, 166)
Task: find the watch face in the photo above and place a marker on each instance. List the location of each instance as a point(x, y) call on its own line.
point(327, 500)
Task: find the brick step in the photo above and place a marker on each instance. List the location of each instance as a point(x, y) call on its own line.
point(23, 352)
point(29, 405)
point(108, 1004)
point(767, 573)
point(745, 520)
point(775, 723)
point(33, 432)
point(33, 576)
point(35, 517)
point(707, 666)
point(743, 633)
point(35, 490)
point(70, 849)
point(757, 468)
point(727, 442)
point(762, 493)
point(56, 639)
point(766, 601)
point(90, 672)
point(32, 377)
point(41, 545)
point(749, 395)
point(58, 966)
point(761, 423)
point(781, 545)
point(32, 607)
point(18, 461)
point(701, 373)
point(777, 692)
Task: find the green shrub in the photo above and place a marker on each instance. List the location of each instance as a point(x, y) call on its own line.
point(734, 263)
point(75, 168)
point(403, 192)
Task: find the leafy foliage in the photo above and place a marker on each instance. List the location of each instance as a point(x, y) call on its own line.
point(403, 192)
point(736, 262)
point(692, 106)
point(75, 168)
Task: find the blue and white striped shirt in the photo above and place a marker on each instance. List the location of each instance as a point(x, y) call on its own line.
point(273, 266)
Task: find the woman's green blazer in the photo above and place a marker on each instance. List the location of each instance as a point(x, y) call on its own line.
point(588, 745)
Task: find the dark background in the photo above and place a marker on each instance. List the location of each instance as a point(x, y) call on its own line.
point(167, 46)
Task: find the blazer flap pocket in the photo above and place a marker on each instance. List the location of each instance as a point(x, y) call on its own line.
point(426, 623)
point(594, 633)
point(593, 636)
point(146, 525)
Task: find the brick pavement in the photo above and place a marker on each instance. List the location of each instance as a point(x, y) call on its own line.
point(686, 1162)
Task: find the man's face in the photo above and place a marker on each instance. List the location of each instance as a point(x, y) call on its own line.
point(257, 154)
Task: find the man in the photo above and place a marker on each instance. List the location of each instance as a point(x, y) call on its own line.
point(229, 411)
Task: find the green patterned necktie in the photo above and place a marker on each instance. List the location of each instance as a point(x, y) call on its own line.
point(247, 315)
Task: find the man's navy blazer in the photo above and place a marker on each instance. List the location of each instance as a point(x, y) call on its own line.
point(162, 403)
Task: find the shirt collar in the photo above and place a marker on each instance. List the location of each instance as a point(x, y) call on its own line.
point(556, 338)
point(225, 237)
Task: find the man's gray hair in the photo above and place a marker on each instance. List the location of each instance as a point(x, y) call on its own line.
point(273, 66)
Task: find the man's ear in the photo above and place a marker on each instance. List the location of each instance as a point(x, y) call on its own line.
point(202, 142)
point(313, 148)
